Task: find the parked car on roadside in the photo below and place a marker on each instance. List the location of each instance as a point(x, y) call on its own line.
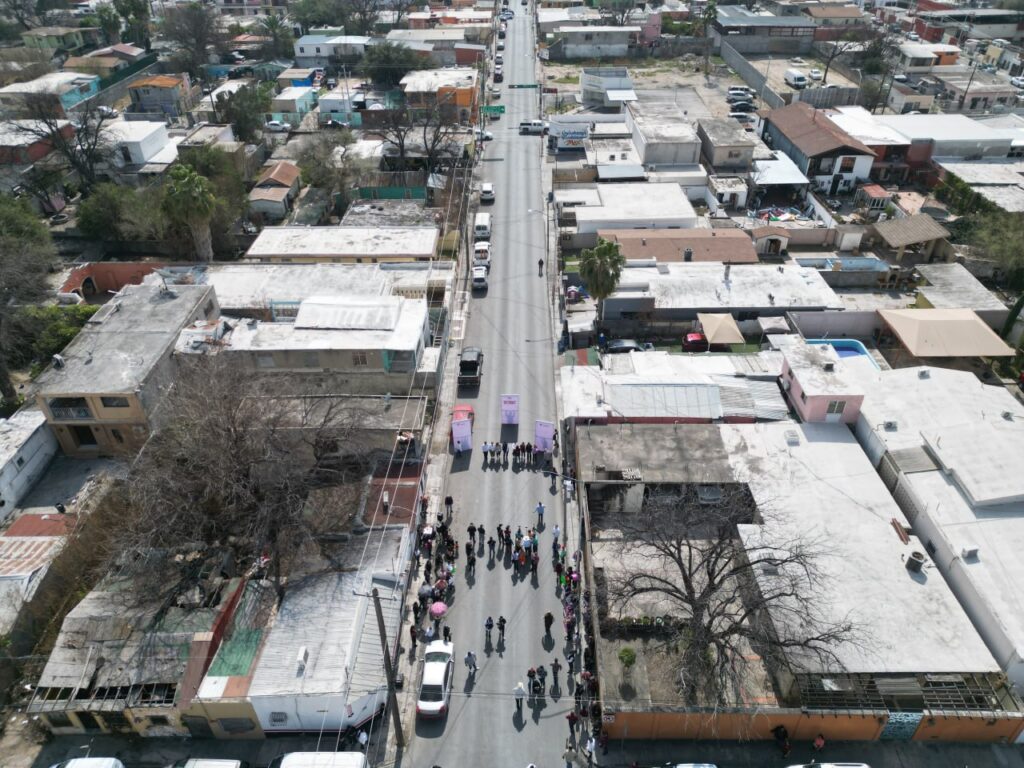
point(815, 74)
point(276, 126)
point(622, 347)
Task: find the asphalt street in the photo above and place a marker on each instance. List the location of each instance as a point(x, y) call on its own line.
point(510, 322)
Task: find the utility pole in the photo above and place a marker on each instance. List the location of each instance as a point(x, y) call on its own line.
point(389, 672)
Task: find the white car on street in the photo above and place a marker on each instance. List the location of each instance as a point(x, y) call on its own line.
point(815, 74)
point(436, 686)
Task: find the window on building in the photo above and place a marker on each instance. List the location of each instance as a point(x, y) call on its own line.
point(803, 397)
point(20, 461)
point(236, 724)
point(114, 402)
point(588, 37)
point(158, 720)
point(734, 153)
point(836, 406)
point(278, 718)
point(360, 359)
point(318, 49)
point(302, 49)
point(846, 165)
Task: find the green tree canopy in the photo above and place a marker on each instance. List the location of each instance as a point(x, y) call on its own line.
point(189, 201)
point(109, 21)
point(601, 269)
point(26, 255)
point(281, 42)
point(195, 28)
point(387, 63)
point(245, 109)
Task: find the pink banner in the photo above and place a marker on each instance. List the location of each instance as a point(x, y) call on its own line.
point(462, 435)
point(544, 433)
point(510, 409)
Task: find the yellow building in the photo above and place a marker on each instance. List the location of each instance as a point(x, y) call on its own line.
point(100, 392)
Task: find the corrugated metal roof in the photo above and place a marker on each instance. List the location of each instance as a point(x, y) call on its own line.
point(378, 313)
point(21, 557)
point(695, 401)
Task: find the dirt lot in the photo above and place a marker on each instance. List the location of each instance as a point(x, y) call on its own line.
point(776, 69)
point(656, 75)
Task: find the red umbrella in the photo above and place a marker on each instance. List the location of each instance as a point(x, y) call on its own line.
point(438, 609)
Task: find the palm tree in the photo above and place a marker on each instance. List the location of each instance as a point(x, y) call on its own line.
point(708, 18)
point(280, 42)
point(189, 201)
point(601, 268)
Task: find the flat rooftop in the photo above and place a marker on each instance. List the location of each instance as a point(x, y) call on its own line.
point(389, 213)
point(705, 287)
point(15, 430)
point(638, 201)
point(432, 80)
point(121, 343)
point(958, 129)
point(660, 385)
point(662, 122)
point(971, 477)
point(391, 323)
point(819, 368)
point(726, 132)
point(813, 482)
point(344, 242)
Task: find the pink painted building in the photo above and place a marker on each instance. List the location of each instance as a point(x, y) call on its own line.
point(819, 384)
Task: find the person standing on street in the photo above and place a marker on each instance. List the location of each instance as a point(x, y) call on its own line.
point(490, 547)
point(540, 513)
point(412, 640)
point(471, 530)
point(488, 626)
point(519, 692)
point(449, 502)
point(573, 718)
point(555, 533)
point(501, 629)
point(471, 663)
point(549, 619)
point(447, 633)
point(504, 452)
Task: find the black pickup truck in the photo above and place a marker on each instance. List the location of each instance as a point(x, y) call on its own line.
point(471, 367)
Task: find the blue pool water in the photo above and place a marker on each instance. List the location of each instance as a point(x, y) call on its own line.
point(846, 348)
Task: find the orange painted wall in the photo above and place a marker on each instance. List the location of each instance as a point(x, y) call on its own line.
point(1001, 727)
point(746, 726)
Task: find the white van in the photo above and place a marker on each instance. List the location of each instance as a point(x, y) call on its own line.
point(796, 79)
point(532, 126)
point(319, 760)
point(482, 226)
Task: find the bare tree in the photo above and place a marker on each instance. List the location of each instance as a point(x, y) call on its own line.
point(440, 137)
point(362, 15)
point(716, 588)
point(195, 28)
point(850, 41)
point(81, 142)
point(324, 160)
point(397, 129)
point(229, 468)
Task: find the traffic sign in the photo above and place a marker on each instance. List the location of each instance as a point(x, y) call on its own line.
point(523, 85)
point(493, 109)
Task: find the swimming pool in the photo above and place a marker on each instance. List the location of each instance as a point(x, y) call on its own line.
point(846, 348)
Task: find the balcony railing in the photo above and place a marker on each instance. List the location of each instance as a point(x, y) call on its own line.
point(65, 413)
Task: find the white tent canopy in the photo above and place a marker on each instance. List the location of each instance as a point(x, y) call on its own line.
point(720, 328)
